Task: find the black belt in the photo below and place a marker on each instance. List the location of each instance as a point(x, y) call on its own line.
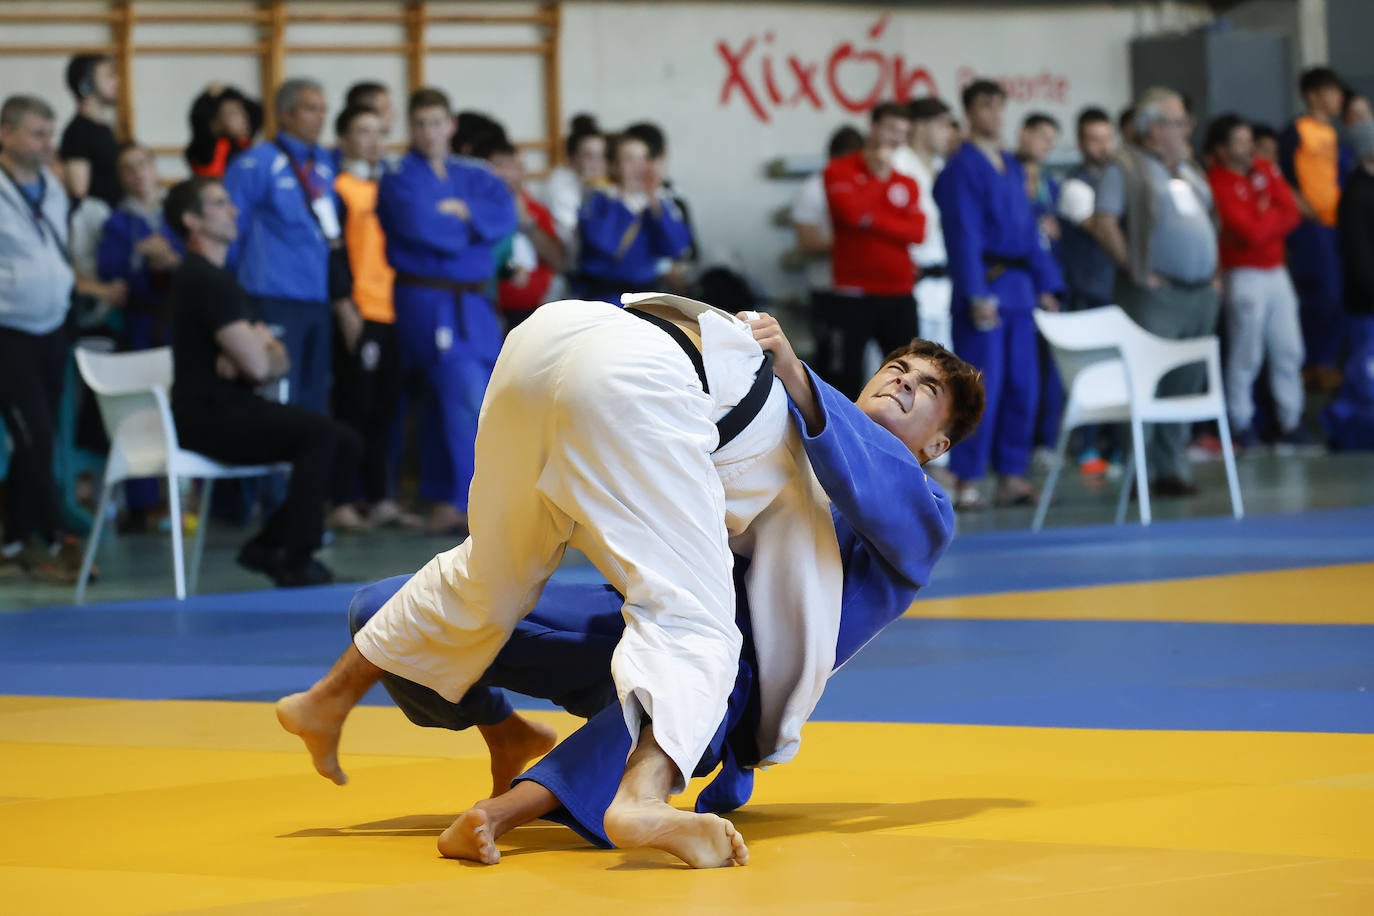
point(739, 417)
point(933, 272)
point(996, 265)
point(459, 288)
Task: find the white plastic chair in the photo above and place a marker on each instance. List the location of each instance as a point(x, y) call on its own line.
point(132, 391)
point(1111, 369)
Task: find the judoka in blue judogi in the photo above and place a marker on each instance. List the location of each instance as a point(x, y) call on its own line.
point(623, 242)
point(892, 524)
point(446, 323)
point(995, 255)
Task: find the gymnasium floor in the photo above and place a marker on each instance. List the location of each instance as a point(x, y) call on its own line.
point(1100, 720)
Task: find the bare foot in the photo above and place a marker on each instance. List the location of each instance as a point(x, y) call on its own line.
point(513, 744)
point(319, 727)
point(700, 840)
point(470, 837)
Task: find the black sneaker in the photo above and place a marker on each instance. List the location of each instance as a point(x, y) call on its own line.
point(1172, 487)
point(307, 573)
point(262, 558)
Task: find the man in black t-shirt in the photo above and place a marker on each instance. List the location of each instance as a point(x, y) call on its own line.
point(89, 149)
point(222, 359)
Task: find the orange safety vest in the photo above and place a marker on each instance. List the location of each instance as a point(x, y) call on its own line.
point(372, 275)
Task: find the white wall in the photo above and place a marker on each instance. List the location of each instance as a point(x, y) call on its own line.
point(667, 62)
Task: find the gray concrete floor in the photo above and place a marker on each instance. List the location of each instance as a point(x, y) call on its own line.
point(139, 566)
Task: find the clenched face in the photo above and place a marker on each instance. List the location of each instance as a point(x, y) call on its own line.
point(908, 398)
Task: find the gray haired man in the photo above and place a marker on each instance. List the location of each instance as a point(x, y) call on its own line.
point(35, 292)
point(290, 255)
point(1154, 215)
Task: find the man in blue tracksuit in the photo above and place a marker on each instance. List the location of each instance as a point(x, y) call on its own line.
point(289, 253)
point(891, 522)
point(442, 219)
point(1000, 273)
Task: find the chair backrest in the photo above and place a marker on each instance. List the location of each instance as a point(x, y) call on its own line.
point(1081, 339)
point(131, 390)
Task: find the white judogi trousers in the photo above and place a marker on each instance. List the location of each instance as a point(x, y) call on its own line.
point(1261, 309)
point(596, 433)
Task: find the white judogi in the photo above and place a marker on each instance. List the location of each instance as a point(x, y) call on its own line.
point(934, 295)
point(596, 432)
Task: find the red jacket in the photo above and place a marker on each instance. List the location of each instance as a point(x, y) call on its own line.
point(530, 294)
point(874, 222)
point(1257, 211)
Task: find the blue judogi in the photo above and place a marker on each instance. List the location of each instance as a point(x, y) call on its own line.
point(446, 324)
point(283, 256)
point(621, 250)
point(892, 524)
point(145, 324)
point(994, 250)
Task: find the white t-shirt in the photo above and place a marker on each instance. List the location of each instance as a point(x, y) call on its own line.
point(931, 251)
point(809, 208)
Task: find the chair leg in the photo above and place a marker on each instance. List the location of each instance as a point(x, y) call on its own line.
point(198, 548)
point(1123, 499)
point(92, 541)
point(1228, 455)
point(1042, 508)
point(1142, 477)
point(178, 553)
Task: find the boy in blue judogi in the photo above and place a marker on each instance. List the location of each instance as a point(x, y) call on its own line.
point(627, 230)
point(1000, 273)
point(442, 218)
point(892, 524)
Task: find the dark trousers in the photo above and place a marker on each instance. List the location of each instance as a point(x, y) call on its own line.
point(367, 397)
point(888, 320)
point(323, 456)
point(306, 330)
point(31, 375)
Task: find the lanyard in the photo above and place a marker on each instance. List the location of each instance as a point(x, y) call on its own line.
point(35, 206)
point(304, 171)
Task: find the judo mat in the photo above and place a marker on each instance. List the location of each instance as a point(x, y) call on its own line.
point(1116, 720)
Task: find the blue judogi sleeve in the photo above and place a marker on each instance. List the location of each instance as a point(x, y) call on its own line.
point(603, 223)
point(410, 215)
point(961, 215)
point(492, 207)
point(114, 256)
point(246, 184)
point(667, 233)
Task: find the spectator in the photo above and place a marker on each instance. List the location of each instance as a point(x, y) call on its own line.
point(538, 255)
point(470, 127)
point(1125, 124)
point(221, 358)
point(1039, 133)
point(1089, 273)
point(1153, 215)
point(922, 160)
point(377, 97)
point(442, 217)
point(811, 223)
point(626, 230)
point(675, 274)
point(1266, 143)
point(1349, 419)
point(289, 245)
point(875, 214)
point(367, 388)
point(35, 293)
point(1001, 274)
point(1256, 211)
point(139, 249)
point(568, 184)
point(224, 122)
point(1309, 154)
point(89, 148)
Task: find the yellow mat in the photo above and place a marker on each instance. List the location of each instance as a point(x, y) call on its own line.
point(1322, 594)
point(116, 807)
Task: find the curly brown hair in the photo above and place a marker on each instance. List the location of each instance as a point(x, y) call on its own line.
point(963, 382)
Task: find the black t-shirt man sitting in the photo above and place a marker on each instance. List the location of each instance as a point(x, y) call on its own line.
point(222, 360)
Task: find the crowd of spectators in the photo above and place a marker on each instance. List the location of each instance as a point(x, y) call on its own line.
point(315, 296)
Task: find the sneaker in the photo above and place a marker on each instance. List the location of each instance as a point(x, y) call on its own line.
point(1042, 459)
point(1245, 439)
point(1205, 447)
point(255, 556)
point(1297, 442)
point(1091, 464)
point(302, 574)
point(1172, 487)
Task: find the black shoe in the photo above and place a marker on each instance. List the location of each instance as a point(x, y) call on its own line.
point(302, 574)
point(1172, 487)
point(262, 558)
